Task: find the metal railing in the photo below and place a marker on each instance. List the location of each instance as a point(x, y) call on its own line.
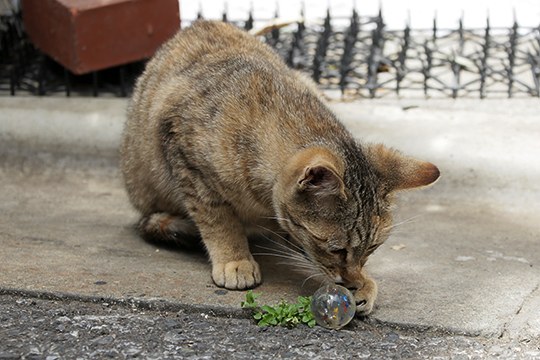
point(361, 59)
point(365, 59)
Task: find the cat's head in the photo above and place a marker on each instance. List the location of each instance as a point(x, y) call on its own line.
point(337, 207)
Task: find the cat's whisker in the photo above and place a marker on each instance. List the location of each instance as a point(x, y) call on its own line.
point(291, 261)
point(288, 250)
point(311, 277)
point(284, 255)
point(300, 269)
point(402, 232)
point(304, 266)
point(297, 259)
point(282, 248)
point(277, 234)
point(403, 222)
point(295, 249)
point(277, 218)
point(276, 255)
point(282, 238)
point(306, 269)
point(303, 263)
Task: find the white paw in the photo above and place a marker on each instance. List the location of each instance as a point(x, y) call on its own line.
point(237, 275)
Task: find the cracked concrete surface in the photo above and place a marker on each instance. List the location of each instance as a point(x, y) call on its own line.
point(466, 259)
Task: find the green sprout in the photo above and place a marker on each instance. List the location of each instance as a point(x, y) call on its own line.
point(283, 314)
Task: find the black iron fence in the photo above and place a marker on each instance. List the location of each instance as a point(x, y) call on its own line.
point(24, 70)
point(358, 57)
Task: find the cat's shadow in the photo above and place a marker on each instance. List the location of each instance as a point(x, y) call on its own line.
point(277, 270)
point(282, 270)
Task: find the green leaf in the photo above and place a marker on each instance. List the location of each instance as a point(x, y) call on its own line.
point(283, 314)
point(251, 300)
point(269, 309)
point(262, 323)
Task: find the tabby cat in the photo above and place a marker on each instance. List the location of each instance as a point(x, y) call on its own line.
point(221, 136)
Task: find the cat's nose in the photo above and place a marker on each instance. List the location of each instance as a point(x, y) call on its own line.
point(338, 280)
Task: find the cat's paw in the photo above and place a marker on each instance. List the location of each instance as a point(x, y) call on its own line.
point(237, 275)
point(364, 303)
point(365, 298)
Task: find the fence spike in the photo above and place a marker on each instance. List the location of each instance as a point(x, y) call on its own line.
point(483, 69)
point(322, 47)
point(248, 25)
point(224, 17)
point(511, 50)
point(200, 12)
point(426, 69)
point(351, 35)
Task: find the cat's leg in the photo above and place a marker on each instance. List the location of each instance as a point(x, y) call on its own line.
point(161, 227)
point(364, 289)
point(223, 234)
point(366, 295)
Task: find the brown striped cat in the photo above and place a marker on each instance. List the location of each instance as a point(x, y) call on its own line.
point(222, 136)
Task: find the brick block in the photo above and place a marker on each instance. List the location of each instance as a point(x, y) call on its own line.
point(90, 35)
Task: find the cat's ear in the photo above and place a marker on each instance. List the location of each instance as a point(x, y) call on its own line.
point(401, 172)
point(321, 179)
point(314, 171)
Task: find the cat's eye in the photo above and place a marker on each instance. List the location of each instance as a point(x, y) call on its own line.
point(318, 238)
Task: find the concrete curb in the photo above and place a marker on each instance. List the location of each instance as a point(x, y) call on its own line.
point(78, 126)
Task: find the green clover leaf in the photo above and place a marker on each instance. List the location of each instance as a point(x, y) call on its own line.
point(282, 314)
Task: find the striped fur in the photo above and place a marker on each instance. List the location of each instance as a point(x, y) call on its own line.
point(222, 136)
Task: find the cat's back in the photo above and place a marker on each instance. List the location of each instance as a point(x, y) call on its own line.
point(205, 45)
point(215, 76)
point(205, 63)
point(214, 80)
point(207, 37)
point(226, 104)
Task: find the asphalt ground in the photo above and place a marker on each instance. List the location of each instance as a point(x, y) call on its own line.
point(33, 328)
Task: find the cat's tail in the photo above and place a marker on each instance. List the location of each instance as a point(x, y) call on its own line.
point(170, 230)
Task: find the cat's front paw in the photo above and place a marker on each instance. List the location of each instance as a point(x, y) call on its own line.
point(237, 275)
point(365, 297)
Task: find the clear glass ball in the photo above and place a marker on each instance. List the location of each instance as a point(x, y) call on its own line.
point(333, 306)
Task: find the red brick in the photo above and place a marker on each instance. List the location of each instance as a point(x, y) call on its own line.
point(90, 35)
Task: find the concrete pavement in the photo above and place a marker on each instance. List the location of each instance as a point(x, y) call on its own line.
point(466, 259)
